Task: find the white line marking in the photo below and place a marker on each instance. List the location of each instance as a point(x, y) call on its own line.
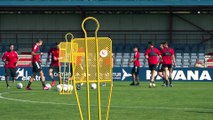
point(120, 107)
point(31, 101)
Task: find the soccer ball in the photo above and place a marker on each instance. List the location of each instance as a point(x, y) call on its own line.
point(93, 86)
point(153, 84)
point(78, 86)
point(65, 87)
point(59, 88)
point(19, 86)
point(150, 85)
point(70, 87)
point(48, 85)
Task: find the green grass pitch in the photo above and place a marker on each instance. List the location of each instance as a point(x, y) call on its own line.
point(185, 101)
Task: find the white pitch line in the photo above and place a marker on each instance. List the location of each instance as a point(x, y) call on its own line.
point(120, 107)
point(163, 108)
point(31, 101)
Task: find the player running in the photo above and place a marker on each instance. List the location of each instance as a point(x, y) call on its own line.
point(152, 54)
point(168, 59)
point(36, 63)
point(135, 69)
point(54, 65)
point(10, 58)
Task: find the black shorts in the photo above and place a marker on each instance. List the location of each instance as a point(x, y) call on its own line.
point(71, 70)
point(152, 67)
point(36, 67)
point(135, 70)
point(10, 72)
point(169, 66)
point(55, 68)
point(160, 68)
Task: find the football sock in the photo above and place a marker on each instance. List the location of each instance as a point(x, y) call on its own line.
point(138, 79)
point(134, 81)
point(166, 82)
point(29, 83)
point(7, 82)
point(170, 80)
point(43, 83)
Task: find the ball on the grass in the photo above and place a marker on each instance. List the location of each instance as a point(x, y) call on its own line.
point(150, 84)
point(78, 86)
point(153, 84)
point(48, 85)
point(65, 87)
point(70, 87)
point(93, 86)
point(19, 86)
point(59, 88)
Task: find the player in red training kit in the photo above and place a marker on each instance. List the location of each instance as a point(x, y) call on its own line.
point(10, 58)
point(160, 67)
point(168, 58)
point(152, 54)
point(36, 63)
point(54, 65)
point(78, 67)
point(135, 69)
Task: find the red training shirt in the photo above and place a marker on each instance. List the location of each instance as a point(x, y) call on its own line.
point(152, 59)
point(78, 60)
point(55, 56)
point(36, 49)
point(107, 60)
point(167, 59)
point(161, 61)
point(11, 57)
point(137, 61)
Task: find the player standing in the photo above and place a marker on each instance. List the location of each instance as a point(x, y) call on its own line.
point(135, 69)
point(54, 65)
point(36, 63)
point(107, 64)
point(152, 54)
point(78, 67)
point(168, 59)
point(10, 58)
point(160, 68)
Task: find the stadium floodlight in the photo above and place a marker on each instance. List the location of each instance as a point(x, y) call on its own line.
point(65, 68)
point(92, 64)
